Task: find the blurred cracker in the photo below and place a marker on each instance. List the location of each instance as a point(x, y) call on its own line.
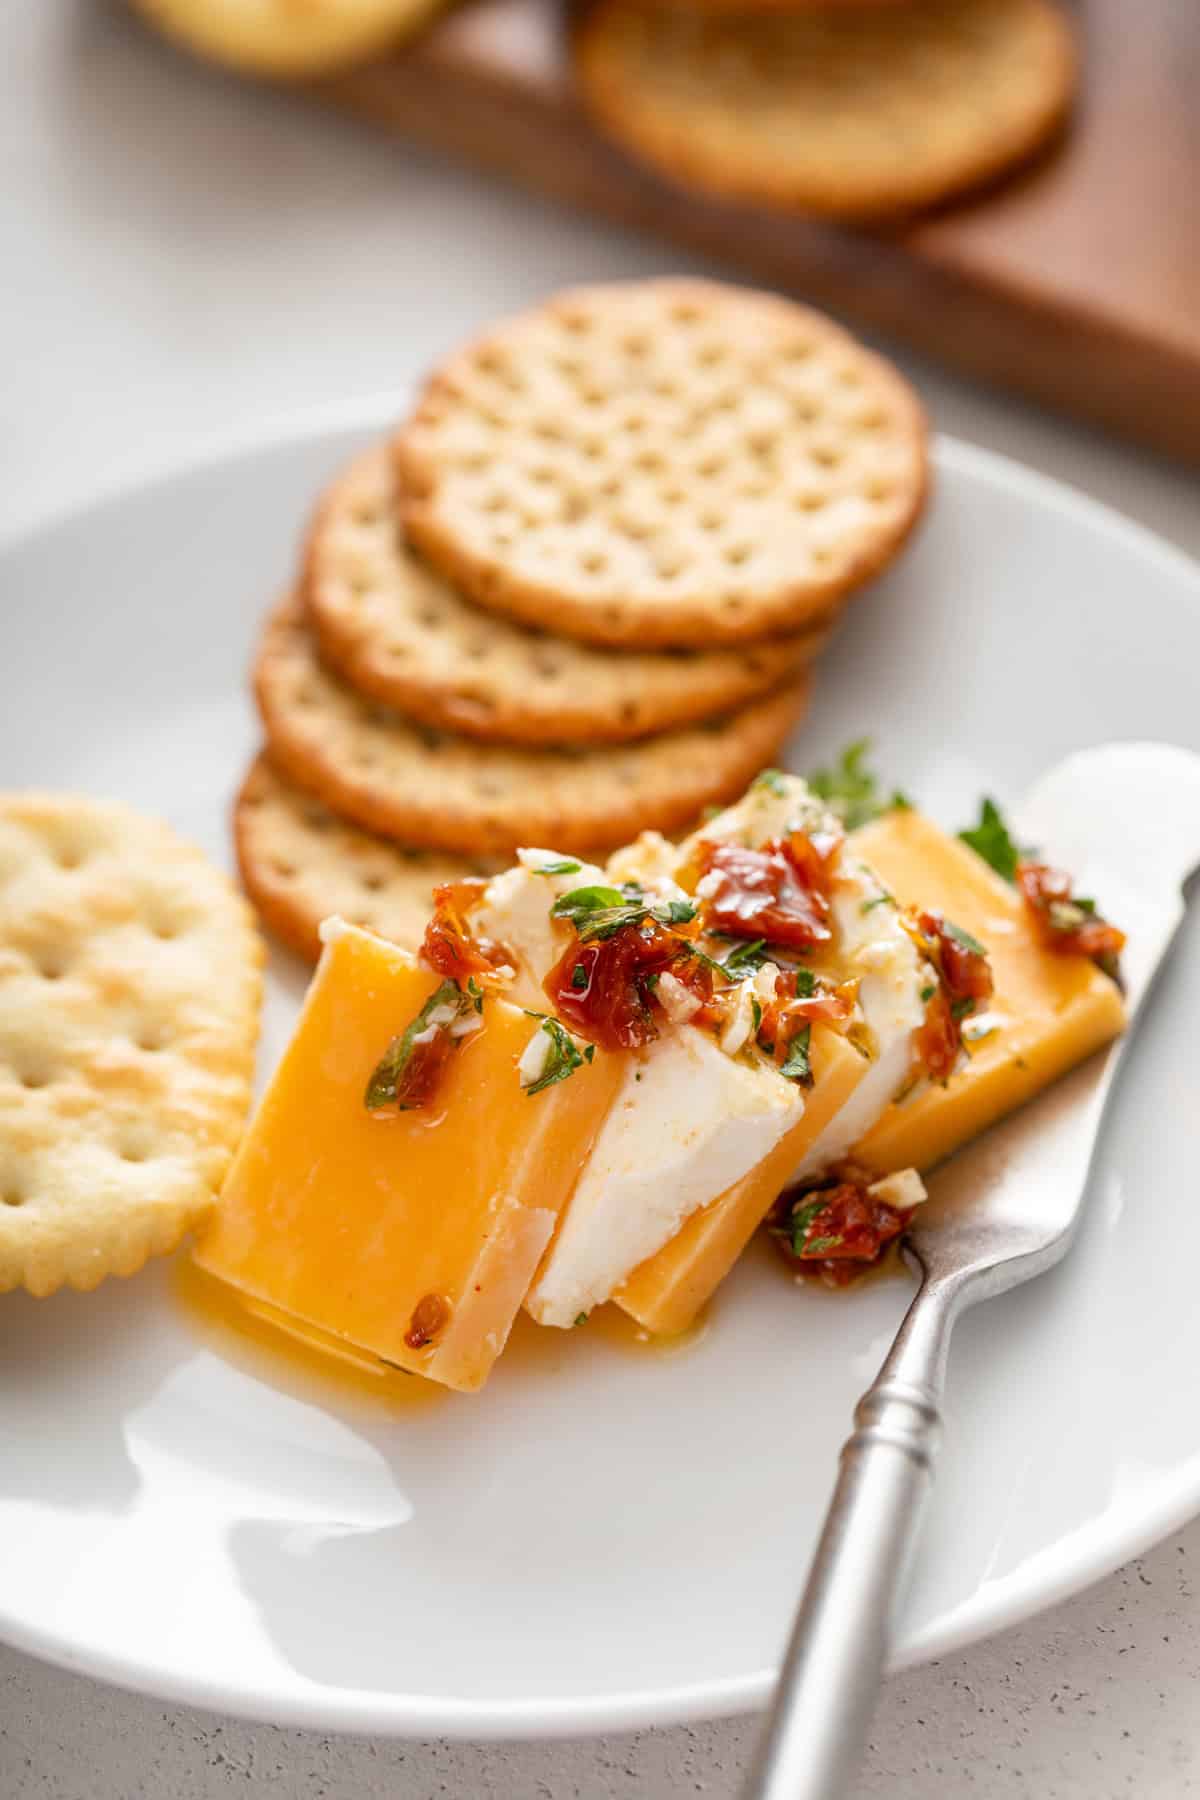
point(287, 38)
point(855, 112)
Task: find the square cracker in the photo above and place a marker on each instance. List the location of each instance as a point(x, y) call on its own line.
point(130, 984)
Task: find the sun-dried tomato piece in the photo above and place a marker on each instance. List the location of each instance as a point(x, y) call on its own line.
point(449, 945)
point(604, 989)
point(834, 1233)
point(780, 893)
point(938, 1039)
point(1066, 924)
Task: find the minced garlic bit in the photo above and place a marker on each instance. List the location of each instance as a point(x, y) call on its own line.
point(677, 1001)
point(901, 1190)
point(534, 1058)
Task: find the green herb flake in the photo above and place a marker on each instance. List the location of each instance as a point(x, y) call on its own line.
point(963, 939)
point(581, 1318)
point(745, 959)
point(802, 1221)
point(387, 1076)
point(962, 1009)
point(476, 993)
point(798, 1066)
point(600, 912)
point(822, 1246)
point(927, 994)
point(564, 866)
point(563, 1060)
point(879, 900)
point(806, 984)
point(773, 780)
point(579, 978)
point(756, 1014)
point(851, 789)
point(992, 840)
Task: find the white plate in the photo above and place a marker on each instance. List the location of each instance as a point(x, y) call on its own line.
point(603, 1539)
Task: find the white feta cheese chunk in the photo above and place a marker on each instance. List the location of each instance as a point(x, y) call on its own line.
point(874, 947)
point(691, 1126)
point(515, 912)
point(771, 807)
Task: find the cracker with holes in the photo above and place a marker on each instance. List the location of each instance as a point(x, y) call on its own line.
point(398, 631)
point(663, 463)
point(402, 780)
point(853, 112)
point(129, 996)
point(300, 864)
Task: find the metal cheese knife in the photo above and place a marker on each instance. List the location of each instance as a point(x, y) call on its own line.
point(1125, 820)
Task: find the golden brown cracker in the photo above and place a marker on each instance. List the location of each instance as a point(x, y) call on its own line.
point(300, 864)
point(663, 462)
point(129, 994)
point(406, 781)
point(397, 630)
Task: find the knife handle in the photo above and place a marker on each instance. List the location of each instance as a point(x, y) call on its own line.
point(835, 1659)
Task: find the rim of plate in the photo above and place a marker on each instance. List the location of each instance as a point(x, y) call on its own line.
point(1088, 1555)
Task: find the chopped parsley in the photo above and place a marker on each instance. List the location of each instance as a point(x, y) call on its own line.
point(806, 984)
point(745, 959)
point(803, 1220)
point(879, 900)
point(962, 938)
point(581, 1318)
point(927, 994)
point(579, 977)
point(387, 1079)
point(851, 789)
point(600, 912)
point(774, 780)
point(962, 1009)
point(563, 1057)
point(756, 1013)
point(564, 866)
point(476, 993)
point(798, 1065)
point(992, 840)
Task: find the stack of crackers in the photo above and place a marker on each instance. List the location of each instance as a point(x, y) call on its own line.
point(578, 595)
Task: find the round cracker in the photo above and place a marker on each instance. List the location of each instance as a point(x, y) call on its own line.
point(663, 462)
point(130, 982)
point(300, 863)
point(388, 622)
point(853, 113)
point(283, 38)
point(405, 781)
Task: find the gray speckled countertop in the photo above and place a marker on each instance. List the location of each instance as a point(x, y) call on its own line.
point(152, 310)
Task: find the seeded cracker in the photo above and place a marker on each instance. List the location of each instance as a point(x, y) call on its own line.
point(301, 864)
point(664, 462)
point(857, 112)
point(129, 993)
point(401, 780)
point(395, 629)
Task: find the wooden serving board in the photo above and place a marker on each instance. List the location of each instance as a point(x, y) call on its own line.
point(1077, 285)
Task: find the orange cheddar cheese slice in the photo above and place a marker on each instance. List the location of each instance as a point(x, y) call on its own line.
point(348, 1222)
point(1048, 1012)
point(667, 1291)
